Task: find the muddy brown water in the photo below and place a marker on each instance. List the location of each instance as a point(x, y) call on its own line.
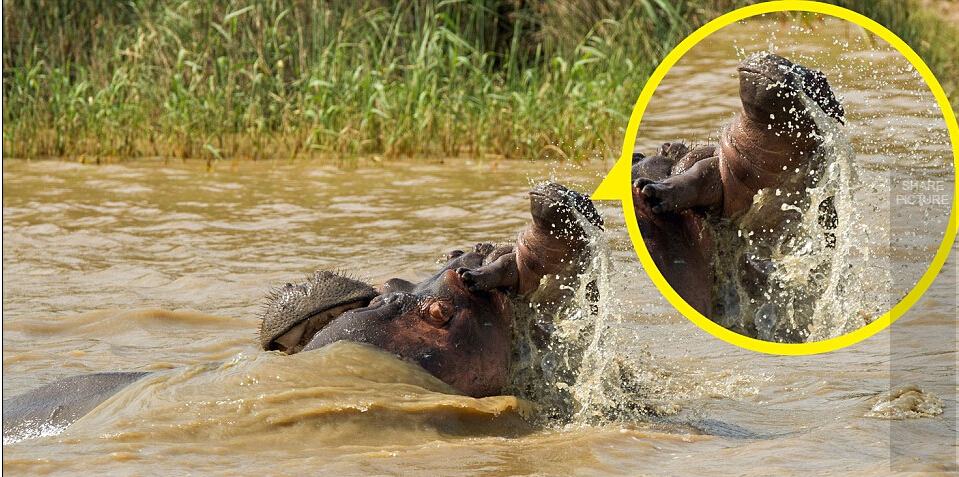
point(162, 266)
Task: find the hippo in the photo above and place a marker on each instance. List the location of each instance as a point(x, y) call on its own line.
point(459, 335)
point(456, 324)
point(773, 142)
point(773, 146)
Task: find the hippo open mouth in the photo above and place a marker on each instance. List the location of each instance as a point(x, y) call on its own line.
point(294, 340)
point(296, 313)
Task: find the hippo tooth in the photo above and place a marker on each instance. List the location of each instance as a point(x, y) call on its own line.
point(291, 338)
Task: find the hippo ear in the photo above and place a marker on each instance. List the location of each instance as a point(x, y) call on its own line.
point(816, 86)
point(453, 254)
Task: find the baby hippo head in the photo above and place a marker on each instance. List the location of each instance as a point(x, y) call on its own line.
point(771, 89)
point(555, 208)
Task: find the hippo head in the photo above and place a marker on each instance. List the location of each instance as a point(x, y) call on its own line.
point(552, 207)
point(460, 336)
point(770, 87)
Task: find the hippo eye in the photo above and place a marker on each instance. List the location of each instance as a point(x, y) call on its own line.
point(439, 313)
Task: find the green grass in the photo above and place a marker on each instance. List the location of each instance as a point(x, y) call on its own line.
point(276, 78)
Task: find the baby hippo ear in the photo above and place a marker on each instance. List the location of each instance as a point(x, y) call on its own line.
point(816, 86)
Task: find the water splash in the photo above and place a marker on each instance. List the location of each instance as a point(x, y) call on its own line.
point(909, 402)
point(855, 285)
point(567, 359)
point(31, 430)
point(813, 277)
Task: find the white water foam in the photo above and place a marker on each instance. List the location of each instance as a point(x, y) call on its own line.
point(568, 361)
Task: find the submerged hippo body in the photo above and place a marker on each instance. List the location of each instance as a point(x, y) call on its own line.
point(773, 145)
point(51, 408)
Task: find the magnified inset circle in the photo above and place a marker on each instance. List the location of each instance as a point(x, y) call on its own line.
point(793, 177)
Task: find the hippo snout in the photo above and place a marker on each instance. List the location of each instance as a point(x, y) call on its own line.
point(552, 206)
point(771, 86)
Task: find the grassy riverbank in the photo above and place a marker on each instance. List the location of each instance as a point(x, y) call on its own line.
point(926, 30)
point(287, 78)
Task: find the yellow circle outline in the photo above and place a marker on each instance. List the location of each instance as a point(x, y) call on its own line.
point(629, 142)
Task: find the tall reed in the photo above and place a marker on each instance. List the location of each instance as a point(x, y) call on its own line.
point(243, 78)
